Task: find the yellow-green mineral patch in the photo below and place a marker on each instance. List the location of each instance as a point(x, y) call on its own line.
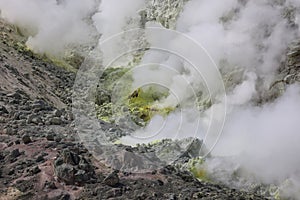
point(142, 103)
point(197, 168)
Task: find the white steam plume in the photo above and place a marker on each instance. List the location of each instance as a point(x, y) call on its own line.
point(52, 25)
point(115, 17)
point(252, 36)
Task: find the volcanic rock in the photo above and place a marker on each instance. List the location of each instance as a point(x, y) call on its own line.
point(26, 139)
point(55, 121)
point(15, 153)
point(3, 110)
point(112, 179)
point(65, 172)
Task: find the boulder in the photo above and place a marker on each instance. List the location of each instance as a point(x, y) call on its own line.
point(3, 110)
point(73, 168)
point(55, 121)
point(112, 179)
point(26, 139)
point(15, 153)
point(66, 172)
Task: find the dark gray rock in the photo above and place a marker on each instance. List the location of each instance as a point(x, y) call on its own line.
point(195, 147)
point(26, 139)
point(10, 144)
point(50, 137)
point(50, 185)
point(15, 95)
point(85, 165)
point(55, 121)
point(11, 172)
point(112, 179)
point(57, 113)
point(17, 115)
point(15, 153)
point(40, 158)
point(70, 157)
point(81, 176)
point(66, 173)
point(35, 170)
point(59, 161)
point(40, 104)
point(3, 110)
point(74, 168)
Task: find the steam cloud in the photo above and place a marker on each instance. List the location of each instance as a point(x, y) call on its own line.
point(52, 25)
point(247, 36)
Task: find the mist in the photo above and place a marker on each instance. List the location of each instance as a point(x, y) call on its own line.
point(248, 39)
point(252, 37)
point(52, 26)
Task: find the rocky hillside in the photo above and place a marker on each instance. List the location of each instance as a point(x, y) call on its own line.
point(40, 156)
